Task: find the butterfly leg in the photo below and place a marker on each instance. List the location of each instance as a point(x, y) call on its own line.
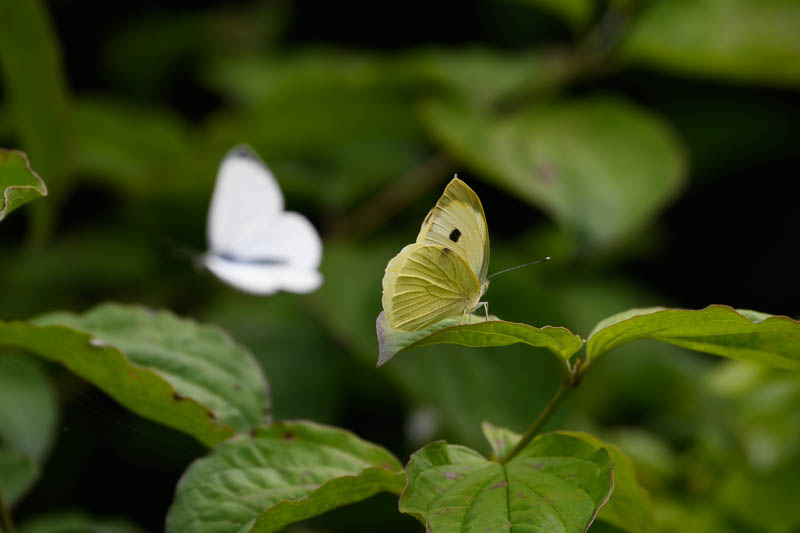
point(485, 309)
point(463, 314)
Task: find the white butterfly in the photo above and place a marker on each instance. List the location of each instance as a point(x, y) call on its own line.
point(254, 245)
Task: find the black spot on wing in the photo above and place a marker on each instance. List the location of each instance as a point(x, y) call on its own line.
point(455, 235)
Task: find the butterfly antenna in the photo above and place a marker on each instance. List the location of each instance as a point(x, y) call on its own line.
point(544, 260)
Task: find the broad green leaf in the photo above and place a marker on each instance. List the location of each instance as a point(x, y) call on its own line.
point(754, 41)
point(34, 85)
point(28, 416)
point(19, 184)
point(600, 166)
point(717, 329)
point(277, 475)
point(18, 472)
point(477, 333)
point(629, 508)
point(75, 522)
point(187, 376)
point(576, 12)
point(557, 483)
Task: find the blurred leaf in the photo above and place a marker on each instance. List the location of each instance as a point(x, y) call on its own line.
point(169, 44)
point(482, 76)
point(277, 475)
point(108, 259)
point(557, 482)
point(576, 12)
point(18, 472)
point(764, 406)
point(157, 365)
point(19, 184)
point(280, 333)
point(477, 333)
point(28, 416)
point(601, 167)
point(75, 522)
point(28, 407)
point(34, 85)
point(690, 517)
point(132, 146)
point(717, 329)
point(332, 126)
point(629, 508)
point(765, 501)
point(754, 41)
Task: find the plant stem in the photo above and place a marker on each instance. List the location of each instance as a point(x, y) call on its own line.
point(5, 516)
point(537, 425)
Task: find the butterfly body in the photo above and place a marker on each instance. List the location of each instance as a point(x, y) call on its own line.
point(443, 273)
point(254, 245)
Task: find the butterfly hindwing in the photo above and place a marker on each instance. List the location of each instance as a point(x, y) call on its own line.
point(425, 284)
point(458, 222)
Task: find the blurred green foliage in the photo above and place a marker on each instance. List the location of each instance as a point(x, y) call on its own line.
point(645, 145)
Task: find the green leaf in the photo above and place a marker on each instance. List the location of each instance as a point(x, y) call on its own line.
point(717, 329)
point(19, 184)
point(18, 472)
point(278, 475)
point(629, 508)
point(477, 333)
point(28, 417)
point(754, 41)
point(557, 483)
point(187, 376)
point(34, 85)
point(75, 522)
point(600, 166)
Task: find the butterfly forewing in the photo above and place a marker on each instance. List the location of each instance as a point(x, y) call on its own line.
point(426, 284)
point(457, 222)
point(246, 200)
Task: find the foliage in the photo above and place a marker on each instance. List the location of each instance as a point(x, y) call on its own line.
point(647, 146)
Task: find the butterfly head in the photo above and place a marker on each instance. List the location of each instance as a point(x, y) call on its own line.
point(484, 287)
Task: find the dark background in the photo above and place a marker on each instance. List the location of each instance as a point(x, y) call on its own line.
point(728, 237)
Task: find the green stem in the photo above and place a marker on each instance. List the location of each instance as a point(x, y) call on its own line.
point(537, 425)
point(5, 516)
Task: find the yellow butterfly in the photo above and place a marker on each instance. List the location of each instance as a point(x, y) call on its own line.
point(444, 273)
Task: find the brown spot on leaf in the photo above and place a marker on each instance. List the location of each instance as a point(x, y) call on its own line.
point(452, 475)
point(288, 435)
point(521, 494)
point(498, 485)
point(537, 466)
